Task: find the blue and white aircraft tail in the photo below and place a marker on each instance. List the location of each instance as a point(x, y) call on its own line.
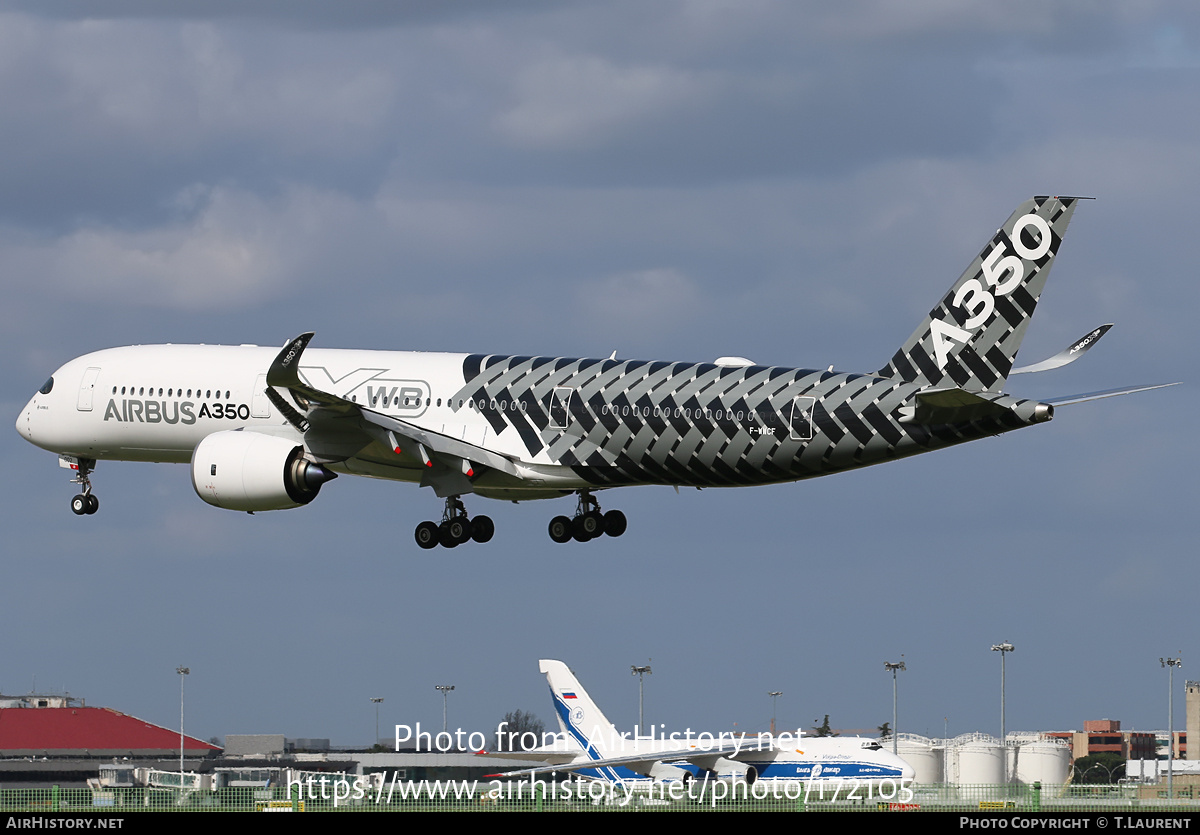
point(601, 752)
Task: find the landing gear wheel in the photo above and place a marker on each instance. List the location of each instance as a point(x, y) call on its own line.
point(579, 529)
point(445, 537)
point(593, 524)
point(427, 535)
point(482, 529)
point(560, 529)
point(93, 504)
point(614, 523)
point(460, 529)
point(80, 504)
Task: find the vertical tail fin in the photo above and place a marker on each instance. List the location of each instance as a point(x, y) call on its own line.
point(970, 339)
point(578, 716)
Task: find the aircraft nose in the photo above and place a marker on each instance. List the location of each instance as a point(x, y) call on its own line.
point(25, 422)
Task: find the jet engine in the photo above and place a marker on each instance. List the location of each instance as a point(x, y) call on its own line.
point(240, 470)
point(662, 772)
point(736, 771)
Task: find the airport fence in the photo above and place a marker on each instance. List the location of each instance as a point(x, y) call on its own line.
point(484, 796)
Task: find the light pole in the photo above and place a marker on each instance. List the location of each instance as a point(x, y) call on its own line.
point(1003, 649)
point(376, 700)
point(894, 667)
point(640, 672)
point(774, 694)
point(445, 691)
point(1171, 664)
point(182, 671)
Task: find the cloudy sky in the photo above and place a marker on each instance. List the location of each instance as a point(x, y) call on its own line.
point(793, 182)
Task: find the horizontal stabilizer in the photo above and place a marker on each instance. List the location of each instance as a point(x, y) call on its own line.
point(1077, 349)
point(944, 406)
point(1100, 395)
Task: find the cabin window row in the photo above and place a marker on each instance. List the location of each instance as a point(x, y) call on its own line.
point(607, 409)
point(679, 411)
point(143, 391)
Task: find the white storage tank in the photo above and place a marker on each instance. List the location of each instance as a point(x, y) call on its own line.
point(1040, 759)
point(975, 759)
point(926, 756)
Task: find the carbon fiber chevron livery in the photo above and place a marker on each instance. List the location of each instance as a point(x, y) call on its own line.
point(971, 338)
point(637, 422)
point(274, 427)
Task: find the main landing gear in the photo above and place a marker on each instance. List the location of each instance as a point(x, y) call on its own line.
point(588, 522)
point(455, 529)
point(86, 503)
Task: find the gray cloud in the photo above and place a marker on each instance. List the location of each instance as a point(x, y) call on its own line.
point(792, 182)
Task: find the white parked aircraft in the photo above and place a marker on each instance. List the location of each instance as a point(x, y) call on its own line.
point(264, 430)
point(592, 746)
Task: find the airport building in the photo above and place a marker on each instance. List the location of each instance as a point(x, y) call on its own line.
point(59, 739)
point(1104, 736)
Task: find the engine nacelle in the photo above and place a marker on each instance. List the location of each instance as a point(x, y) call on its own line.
point(662, 772)
point(240, 470)
point(735, 771)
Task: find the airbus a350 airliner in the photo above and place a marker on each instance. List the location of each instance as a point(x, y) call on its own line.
point(265, 429)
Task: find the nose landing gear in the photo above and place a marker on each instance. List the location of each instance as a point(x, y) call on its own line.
point(588, 523)
point(86, 503)
point(455, 529)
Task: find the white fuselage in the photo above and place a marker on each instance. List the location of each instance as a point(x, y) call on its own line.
point(157, 402)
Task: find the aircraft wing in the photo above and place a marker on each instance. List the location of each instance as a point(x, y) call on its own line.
point(535, 756)
point(704, 756)
point(345, 425)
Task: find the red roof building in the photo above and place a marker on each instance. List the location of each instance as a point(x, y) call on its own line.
point(77, 731)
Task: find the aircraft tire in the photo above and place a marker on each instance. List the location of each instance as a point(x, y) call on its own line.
point(459, 529)
point(592, 524)
point(560, 529)
point(615, 523)
point(79, 504)
point(93, 504)
point(482, 529)
point(445, 537)
point(579, 529)
point(427, 535)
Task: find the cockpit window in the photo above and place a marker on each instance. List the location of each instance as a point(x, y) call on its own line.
point(49, 384)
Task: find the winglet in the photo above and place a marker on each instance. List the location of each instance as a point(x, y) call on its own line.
point(1076, 350)
point(284, 371)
